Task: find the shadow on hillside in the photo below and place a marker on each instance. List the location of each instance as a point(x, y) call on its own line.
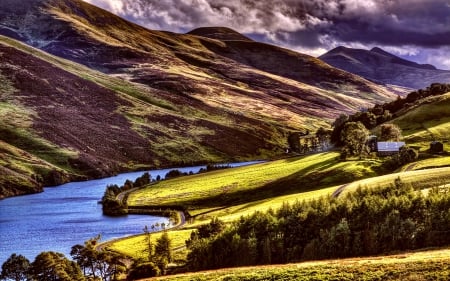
point(308, 179)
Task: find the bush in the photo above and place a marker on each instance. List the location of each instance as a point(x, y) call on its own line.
point(143, 270)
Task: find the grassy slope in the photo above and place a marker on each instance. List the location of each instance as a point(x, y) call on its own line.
point(425, 265)
point(192, 104)
point(427, 121)
point(231, 193)
point(244, 185)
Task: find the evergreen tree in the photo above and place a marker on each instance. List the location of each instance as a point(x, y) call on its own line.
point(16, 268)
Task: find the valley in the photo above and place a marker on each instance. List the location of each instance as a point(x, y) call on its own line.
point(86, 95)
point(168, 95)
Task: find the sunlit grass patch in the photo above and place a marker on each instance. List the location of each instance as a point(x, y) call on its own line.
point(135, 246)
point(424, 265)
point(420, 179)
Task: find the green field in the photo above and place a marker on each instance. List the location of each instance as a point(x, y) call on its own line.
point(421, 179)
point(435, 162)
point(425, 265)
point(254, 184)
point(428, 122)
point(135, 246)
point(231, 193)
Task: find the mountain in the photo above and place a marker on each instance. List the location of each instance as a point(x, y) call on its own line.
point(97, 95)
point(382, 67)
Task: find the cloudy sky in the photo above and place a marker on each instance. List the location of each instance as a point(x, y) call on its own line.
point(418, 30)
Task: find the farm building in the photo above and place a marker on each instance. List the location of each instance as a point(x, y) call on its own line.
point(388, 148)
point(436, 147)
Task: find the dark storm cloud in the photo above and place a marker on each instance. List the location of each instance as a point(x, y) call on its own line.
point(302, 24)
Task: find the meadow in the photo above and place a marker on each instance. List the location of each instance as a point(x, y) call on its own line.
point(256, 183)
point(425, 265)
point(232, 193)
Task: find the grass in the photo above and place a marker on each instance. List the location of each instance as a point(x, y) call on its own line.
point(135, 246)
point(424, 265)
point(428, 122)
point(435, 162)
point(257, 183)
point(420, 178)
point(231, 193)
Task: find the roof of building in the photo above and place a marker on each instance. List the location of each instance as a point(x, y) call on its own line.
point(389, 146)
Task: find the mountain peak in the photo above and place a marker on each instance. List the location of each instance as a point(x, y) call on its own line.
point(380, 51)
point(385, 68)
point(220, 33)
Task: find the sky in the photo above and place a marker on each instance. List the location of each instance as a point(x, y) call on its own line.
point(417, 30)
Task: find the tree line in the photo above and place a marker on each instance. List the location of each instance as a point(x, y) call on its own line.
point(89, 263)
point(112, 206)
point(305, 143)
point(364, 222)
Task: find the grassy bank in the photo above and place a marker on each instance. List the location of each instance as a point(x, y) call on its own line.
point(252, 184)
point(231, 193)
point(425, 265)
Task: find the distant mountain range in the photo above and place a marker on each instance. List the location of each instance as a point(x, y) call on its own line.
point(149, 98)
point(382, 67)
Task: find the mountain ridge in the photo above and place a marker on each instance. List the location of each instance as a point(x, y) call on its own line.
point(178, 99)
point(383, 67)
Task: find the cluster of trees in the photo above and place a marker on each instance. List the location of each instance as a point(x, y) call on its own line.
point(353, 138)
point(370, 118)
point(380, 114)
point(434, 89)
point(210, 167)
point(112, 206)
point(157, 256)
point(366, 222)
point(304, 143)
point(89, 263)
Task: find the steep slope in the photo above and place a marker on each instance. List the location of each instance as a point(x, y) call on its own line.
point(160, 99)
point(382, 67)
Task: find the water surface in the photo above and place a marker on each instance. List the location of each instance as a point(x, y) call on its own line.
point(67, 215)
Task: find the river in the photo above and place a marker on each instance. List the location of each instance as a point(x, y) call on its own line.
point(67, 215)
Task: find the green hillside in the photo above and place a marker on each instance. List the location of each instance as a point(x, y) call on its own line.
point(413, 266)
point(141, 98)
point(237, 189)
point(427, 121)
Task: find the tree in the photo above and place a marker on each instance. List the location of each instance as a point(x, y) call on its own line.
point(390, 132)
point(323, 136)
point(354, 138)
point(163, 252)
point(143, 270)
point(407, 155)
point(51, 266)
point(338, 125)
point(15, 268)
point(149, 249)
point(97, 264)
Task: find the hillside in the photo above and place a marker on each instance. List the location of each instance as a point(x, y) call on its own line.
point(425, 121)
point(425, 265)
point(382, 67)
point(149, 98)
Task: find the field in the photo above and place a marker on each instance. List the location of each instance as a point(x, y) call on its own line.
point(244, 187)
point(419, 179)
point(135, 246)
point(426, 265)
point(231, 193)
point(428, 122)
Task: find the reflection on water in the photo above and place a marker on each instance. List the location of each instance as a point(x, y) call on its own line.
point(66, 215)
